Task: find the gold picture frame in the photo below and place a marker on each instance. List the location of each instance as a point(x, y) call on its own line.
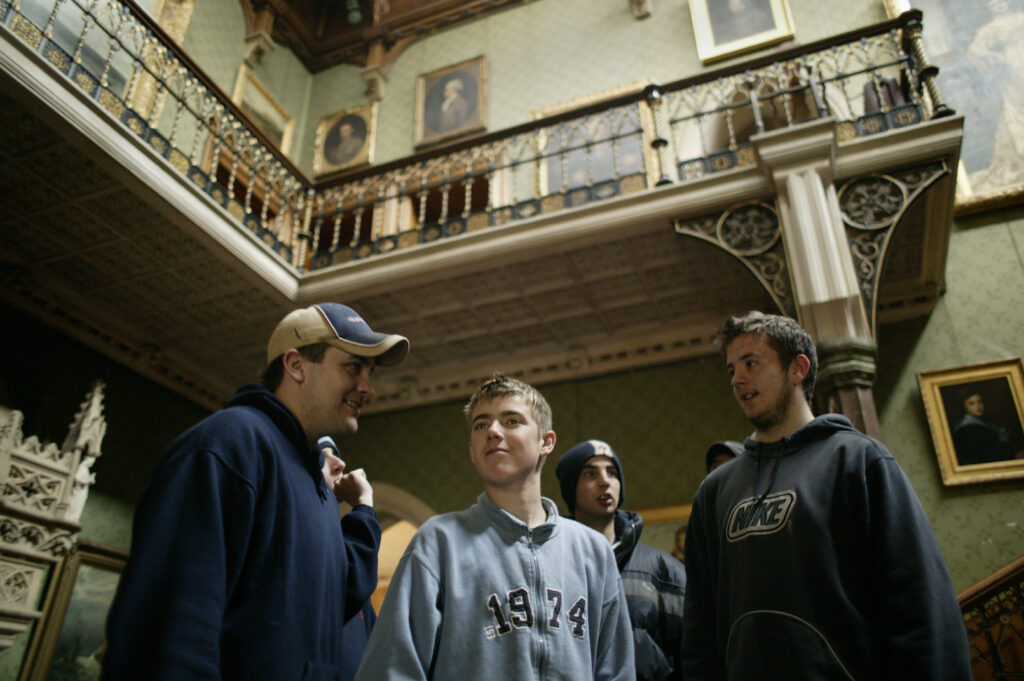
point(451, 102)
point(726, 28)
point(980, 72)
point(345, 140)
point(976, 417)
point(263, 110)
point(69, 641)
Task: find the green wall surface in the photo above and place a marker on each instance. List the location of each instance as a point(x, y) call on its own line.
point(980, 318)
point(215, 39)
point(538, 54)
point(656, 420)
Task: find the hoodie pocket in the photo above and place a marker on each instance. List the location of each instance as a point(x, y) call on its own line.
point(318, 671)
point(772, 645)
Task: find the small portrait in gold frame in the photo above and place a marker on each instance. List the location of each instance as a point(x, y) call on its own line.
point(976, 416)
point(451, 102)
point(725, 28)
point(345, 140)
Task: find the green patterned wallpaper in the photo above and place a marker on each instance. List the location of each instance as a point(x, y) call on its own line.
point(657, 423)
point(216, 42)
point(980, 318)
point(538, 54)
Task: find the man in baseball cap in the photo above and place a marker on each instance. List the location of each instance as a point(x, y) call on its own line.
point(240, 567)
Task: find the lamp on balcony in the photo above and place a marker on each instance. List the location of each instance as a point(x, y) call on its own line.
point(652, 93)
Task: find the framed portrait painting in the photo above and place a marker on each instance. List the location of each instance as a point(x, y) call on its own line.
point(725, 28)
point(976, 417)
point(69, 642)
point(976, 46)
point(345, 140)
point(263, 110)
point(451, 102)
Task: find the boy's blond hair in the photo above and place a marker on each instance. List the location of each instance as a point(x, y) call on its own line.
point(502, 385)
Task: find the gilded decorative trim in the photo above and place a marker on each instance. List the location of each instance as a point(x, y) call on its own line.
point(751, 233)
point(872, 207)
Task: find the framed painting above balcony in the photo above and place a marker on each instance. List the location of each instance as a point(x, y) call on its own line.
point(451, 102)
point(262, 109)
point(977, 47)
point(345, 140)
point(726, 28)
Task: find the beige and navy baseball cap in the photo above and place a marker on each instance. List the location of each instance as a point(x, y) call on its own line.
point(337, 325)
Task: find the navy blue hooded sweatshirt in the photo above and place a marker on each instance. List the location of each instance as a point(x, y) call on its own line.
point(811, 558)
point(240, 567)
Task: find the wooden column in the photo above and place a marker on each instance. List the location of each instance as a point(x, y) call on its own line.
point(846, 372)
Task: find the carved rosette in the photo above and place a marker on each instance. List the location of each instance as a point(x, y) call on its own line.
point(751, 233)
point(42, 492)
point(872, 207)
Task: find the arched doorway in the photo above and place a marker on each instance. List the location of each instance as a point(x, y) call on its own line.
point(400, 514)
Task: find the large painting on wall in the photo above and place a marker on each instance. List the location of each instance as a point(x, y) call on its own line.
point(69, 642)
point(980, 54)
point(976, 416)
point(725, 28)
point(451, 102)
point(262, 109)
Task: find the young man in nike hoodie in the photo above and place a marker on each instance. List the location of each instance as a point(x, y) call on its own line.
point(505, 589)
point(809, 556)
point(590, 476)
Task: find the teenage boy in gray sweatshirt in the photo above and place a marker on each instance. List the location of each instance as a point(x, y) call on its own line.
point(506, 588)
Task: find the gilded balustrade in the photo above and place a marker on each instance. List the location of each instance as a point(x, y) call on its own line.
point(112, 52)
point(868, 81)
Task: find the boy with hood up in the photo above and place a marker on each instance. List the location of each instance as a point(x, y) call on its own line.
point(590, 477)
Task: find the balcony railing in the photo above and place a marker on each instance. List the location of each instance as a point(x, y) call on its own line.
point(871, 80)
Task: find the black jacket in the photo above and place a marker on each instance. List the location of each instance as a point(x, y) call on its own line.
point(655, 584)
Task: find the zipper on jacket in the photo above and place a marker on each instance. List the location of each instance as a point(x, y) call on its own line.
point(540, 619)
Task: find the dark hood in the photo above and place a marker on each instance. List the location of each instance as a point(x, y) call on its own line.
point(628, 527)
point(256, 396)
point(816, 430)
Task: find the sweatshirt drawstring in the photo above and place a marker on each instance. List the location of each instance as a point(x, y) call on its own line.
point(775, 474)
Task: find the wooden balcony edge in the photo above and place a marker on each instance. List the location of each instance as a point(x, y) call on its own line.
point(994, 581)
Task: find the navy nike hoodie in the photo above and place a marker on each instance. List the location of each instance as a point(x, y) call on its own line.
point(811, 558)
